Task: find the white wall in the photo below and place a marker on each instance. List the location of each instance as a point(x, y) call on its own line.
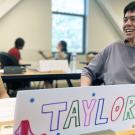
point(31, 20)
point(100, 30)
point(104, 22)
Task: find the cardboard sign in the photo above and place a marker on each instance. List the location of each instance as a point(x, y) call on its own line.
point(75, 111)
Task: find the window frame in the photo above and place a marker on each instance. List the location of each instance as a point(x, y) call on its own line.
point(83, 16)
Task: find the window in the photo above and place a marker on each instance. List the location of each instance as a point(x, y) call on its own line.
point(68, 23)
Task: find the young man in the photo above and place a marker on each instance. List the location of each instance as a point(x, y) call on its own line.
point(19, 44)
point(3, 92)
point(116, 63)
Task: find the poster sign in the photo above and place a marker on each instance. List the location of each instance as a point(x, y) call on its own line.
point(75, 111)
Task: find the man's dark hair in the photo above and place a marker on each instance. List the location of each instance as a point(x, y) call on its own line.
point(19, 43)
point(64, 45)
point(129, 7)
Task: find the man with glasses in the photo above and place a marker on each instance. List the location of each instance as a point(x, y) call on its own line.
point(116, 63)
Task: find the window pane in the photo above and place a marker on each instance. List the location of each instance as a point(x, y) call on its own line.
point(68, 6)
point(70, 29)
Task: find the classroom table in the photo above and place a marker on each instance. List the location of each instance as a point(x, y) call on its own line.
point(34, 75)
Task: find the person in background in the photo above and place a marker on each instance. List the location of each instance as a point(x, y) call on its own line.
point(61, 52)
point(3, 92)
point(116, 63)
point(15, 51)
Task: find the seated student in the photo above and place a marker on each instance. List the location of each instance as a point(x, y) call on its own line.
point(15, 52)
point(19, 44)
point(115, 64)
point(62, 53)
point(3, 92)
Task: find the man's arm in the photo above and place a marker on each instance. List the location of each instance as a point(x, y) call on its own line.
point(3, 92)
point(86, 81)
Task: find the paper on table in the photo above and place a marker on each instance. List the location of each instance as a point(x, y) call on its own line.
point(7, 108)
point(53, 65)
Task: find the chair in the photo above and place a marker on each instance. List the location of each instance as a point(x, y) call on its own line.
point(69, 57)
point(90, 55)
point(92, 52)
point(7, 60)
point(68, 80)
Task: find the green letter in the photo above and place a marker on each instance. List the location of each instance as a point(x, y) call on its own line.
point(73, 114)
point(130, 108)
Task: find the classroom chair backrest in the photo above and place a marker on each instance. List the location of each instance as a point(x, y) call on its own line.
point(90, 55)
point(7, 60)
point(69, 57)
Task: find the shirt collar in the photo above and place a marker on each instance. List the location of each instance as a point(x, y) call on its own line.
point(127, 43)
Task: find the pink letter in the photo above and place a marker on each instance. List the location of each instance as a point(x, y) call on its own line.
point(117, 108)
point(88, 108)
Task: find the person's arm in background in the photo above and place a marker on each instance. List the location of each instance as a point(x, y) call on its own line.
point(3, 91)
point(43, 55)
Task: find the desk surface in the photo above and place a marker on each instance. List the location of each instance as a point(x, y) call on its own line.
point(33, 75)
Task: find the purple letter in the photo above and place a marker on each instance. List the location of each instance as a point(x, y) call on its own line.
point(54, 109)
point(99, 119)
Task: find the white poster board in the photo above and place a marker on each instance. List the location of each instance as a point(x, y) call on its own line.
point(75, 111)
point(53, 65)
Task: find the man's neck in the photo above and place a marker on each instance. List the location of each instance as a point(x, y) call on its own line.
point(130, 43)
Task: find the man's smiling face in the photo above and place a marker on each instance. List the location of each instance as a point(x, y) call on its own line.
point(129, 26)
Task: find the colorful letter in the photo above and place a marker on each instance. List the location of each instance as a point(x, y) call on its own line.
point(73, 114)
point(99, 119)
point(54, 109)
point(24, 128)
point(130, 108)
point(88, 108)
point(117, 108)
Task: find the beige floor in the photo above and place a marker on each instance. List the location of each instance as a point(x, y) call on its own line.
point(59, 83)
